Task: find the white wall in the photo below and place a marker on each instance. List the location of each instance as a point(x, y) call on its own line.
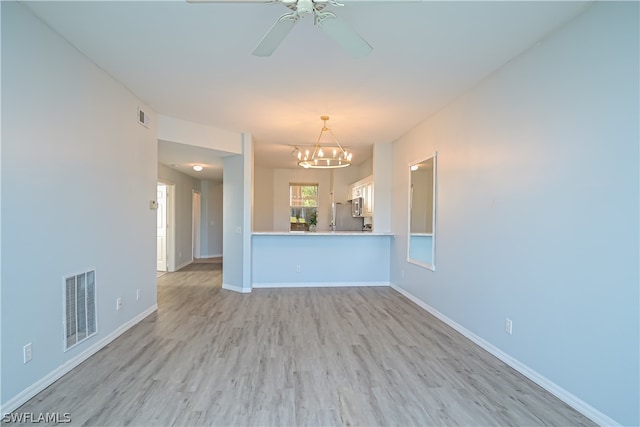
point(537, 211)
point(382, 181)
point(342, 180)
point(263, 199)
point(78, 173)
point(365, 168)
point(184, 188)
point(190, 133)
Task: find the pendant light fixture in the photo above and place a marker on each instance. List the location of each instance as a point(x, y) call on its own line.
point(327, 155)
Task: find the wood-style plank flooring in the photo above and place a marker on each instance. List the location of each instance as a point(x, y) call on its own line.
point(289, 357)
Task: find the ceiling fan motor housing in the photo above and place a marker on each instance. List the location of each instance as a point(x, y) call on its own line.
point(304, 7)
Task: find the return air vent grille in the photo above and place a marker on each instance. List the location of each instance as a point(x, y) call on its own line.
point(143, 119)
point(79, 308)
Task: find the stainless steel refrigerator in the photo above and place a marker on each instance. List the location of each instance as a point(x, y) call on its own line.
point(343, 220)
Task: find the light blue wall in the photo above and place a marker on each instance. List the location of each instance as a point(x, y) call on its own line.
point(211, 219)
point(237, 186)
point(537, 207)
point(421, 249)
point(78, 174)
point(232, 212)
point(323, 259)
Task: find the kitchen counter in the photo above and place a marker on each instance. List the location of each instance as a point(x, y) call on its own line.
point(322, 258)
point(319, 233)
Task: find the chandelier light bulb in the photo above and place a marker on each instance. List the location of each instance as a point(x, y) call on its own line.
point(341, 158)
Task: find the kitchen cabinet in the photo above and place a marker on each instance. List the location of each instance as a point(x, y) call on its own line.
point(368, 199)
point(356, 191)
point(364, 189)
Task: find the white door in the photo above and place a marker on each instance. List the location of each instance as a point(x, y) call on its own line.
point(196, 224)
point(162, 227)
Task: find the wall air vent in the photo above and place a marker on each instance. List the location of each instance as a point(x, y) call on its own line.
point(143, 119)
point(79, 308)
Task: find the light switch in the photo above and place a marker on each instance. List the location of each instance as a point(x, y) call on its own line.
point(153, 205)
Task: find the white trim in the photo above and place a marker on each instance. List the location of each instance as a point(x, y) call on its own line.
point(562, 394)
point(183, 265)
point(210, 256)
point(235, 288)
point(319, 284)
point(44, 382)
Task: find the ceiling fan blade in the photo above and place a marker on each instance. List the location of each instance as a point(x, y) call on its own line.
point(344, 35)
point(276, 35)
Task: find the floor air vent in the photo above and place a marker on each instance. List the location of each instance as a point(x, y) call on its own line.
point(79, 308)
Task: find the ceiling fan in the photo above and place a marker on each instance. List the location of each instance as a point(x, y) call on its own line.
point(340, 32)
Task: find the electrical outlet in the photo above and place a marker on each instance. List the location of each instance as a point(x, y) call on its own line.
point(27, 353)
point(118, 304)
point(138, 295)
point(508, 326)
point(298, 269)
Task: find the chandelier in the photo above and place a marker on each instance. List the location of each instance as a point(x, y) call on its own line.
point(328, 156)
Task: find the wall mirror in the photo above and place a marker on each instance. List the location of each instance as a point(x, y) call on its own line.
point(422, 213)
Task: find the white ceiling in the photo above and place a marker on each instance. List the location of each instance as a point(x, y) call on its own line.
point(193, 62)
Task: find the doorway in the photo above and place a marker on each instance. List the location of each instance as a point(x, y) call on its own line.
point(196, 206)
point(165, 224)
point(161, 225)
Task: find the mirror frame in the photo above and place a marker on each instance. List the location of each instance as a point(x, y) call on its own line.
point(432, 265)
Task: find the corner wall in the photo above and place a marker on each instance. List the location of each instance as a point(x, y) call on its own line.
point(78, 175)
point(237, 218)
point(538, 211)
point(211, 225)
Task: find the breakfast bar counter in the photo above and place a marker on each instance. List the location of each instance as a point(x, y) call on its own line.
point(319, 233)
point(323, 258)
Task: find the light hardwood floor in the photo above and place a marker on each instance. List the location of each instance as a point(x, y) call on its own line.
point(285, 357)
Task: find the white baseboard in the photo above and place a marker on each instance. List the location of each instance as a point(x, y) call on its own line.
point(183, 265)
point(210, 256)
point(35, 388)
point(318, 284)
point(562, 394)
point(236, 288)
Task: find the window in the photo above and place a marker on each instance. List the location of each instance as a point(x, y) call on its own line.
point(303, 203)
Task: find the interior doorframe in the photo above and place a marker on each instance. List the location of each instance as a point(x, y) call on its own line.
point(171, 225)
point(196, 216)
point(162, 216)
